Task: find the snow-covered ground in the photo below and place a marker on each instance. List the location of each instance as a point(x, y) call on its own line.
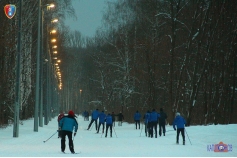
point(127, 141)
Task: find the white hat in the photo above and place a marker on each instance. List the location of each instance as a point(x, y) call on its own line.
point(177, 113)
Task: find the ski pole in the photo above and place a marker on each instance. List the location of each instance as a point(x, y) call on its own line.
point(188, 136)
point(103, 129)
point(92, 126)
point(141, 130)
point(73, 137)
point(102, 134)
point(115, 132)
point(50, 137)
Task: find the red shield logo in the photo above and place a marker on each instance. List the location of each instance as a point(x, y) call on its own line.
point(10, 10)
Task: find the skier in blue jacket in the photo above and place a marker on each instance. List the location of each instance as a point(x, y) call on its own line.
point(66, 125)
point(146, 120)
point(180, 122)
point(137, 117)
point(101, 121)
point(108, 124)
point(154, 116)
point(94, 117)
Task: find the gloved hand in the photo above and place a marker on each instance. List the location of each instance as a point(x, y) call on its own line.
point(59, 129)
point(75, 134)
point(175, 129)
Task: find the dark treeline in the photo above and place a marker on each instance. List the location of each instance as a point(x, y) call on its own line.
point(176, 54)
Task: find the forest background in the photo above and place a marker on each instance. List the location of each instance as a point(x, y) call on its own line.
point(176, 54)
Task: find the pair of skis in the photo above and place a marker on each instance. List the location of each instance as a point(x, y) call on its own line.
point(70, 153)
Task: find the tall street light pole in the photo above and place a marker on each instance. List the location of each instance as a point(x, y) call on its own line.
point(41, 72)
point(37, 91)
point(18, 71)
point(48, 65)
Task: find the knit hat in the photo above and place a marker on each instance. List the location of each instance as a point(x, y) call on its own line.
point(71, 113)
point(177, 114)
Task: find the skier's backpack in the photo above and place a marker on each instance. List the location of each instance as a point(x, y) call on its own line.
point(60, 116)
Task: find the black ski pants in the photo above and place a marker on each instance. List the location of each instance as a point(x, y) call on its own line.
point(103, 124)
point(110, 127)
point(182, 133)
point(146, 128)
point(92, 120)
point(154, 126)
point(150, 130)
point(137, 122)
point(69, 135)
point(162, 128)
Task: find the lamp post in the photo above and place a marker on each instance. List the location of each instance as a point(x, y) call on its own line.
point(41, 71)
point(38, 89)
point(49, 78)
point(17, 98)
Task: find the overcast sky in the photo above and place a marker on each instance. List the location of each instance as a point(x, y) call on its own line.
point(89, 15)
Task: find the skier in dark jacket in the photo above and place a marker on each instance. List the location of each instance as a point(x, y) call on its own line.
point(108, 124)
point(154, 116)
point(94, 117)
point(102, 117)
point(87, 116)
point(137, 117)
point(67, 124)
point(180, 122)
point(150, 126)
point(120, 118)
point(113, 118)
point(162, 121)
point(84, 114)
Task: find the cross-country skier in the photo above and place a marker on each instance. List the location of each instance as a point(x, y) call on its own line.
point(94, 117)
point(87, 116)
point(108, 124)
point(154, 116)
point(120, 118)
point(180, 122)
point(67, 124)
point(146, 118)
point(101, 121)
point(137, 117)
point(84, 115)
point(162, 120)
point(113, 118)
